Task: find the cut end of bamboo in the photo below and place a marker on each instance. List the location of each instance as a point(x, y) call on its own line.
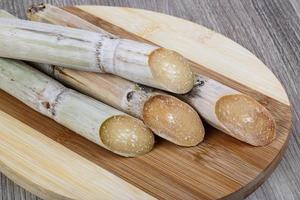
point(171, 70)
point(173, 120)
point(31, 12)
point(246, 119)
point(126, 136)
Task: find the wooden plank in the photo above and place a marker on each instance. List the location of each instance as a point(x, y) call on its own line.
point(34, 152)
point(228, 18)
point(198, 44)
point(199, 167)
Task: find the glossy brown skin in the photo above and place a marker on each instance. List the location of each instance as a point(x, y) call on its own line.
point(173, 120)
point(171, 70)
point(245, 119)
point(127, 136)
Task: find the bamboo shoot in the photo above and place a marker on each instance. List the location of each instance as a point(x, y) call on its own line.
point(95, 52)
point(236, 114)
point(99, 123)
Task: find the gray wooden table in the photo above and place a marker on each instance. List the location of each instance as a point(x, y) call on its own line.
point(268, 28)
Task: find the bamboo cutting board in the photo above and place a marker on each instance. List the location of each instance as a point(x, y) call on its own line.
point(54, 163)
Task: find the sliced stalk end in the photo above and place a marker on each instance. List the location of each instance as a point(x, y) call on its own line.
point(34, 9)
point(126, 136)
point(171, 70)
point(246, 119)
point(173, 120)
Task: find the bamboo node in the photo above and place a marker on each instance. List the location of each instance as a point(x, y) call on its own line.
point(56, 101)
point(98, 55)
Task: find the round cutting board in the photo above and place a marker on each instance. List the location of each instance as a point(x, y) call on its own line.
point(54, 163)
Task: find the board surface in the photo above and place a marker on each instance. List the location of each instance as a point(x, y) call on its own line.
point(51, 161)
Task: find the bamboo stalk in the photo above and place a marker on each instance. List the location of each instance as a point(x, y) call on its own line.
point(99, 123)
point(164, 114)
point(238, 115)
point(167, 116)
point(234, 113)
point(96, 52)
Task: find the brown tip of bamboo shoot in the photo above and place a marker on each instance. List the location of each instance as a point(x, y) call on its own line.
point(126, 136)
point(246, 119)
point(171, 70)
point(173, 120)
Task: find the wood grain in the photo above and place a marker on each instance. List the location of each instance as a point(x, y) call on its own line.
point(262, 27)
point(53, 173)
point(200, 168)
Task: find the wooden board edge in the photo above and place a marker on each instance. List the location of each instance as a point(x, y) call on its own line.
point(90, 169)
point(239, 193)
point(261, 178)
point(29, 185)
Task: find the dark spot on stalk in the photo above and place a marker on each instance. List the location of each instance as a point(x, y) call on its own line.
point(12, 79)
point(194, 93)
point(36, 8)
point(53, 112)
point(46, 104)
point(143, 88)
point(199, 83)
point(129, 95)
point(59, 37)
